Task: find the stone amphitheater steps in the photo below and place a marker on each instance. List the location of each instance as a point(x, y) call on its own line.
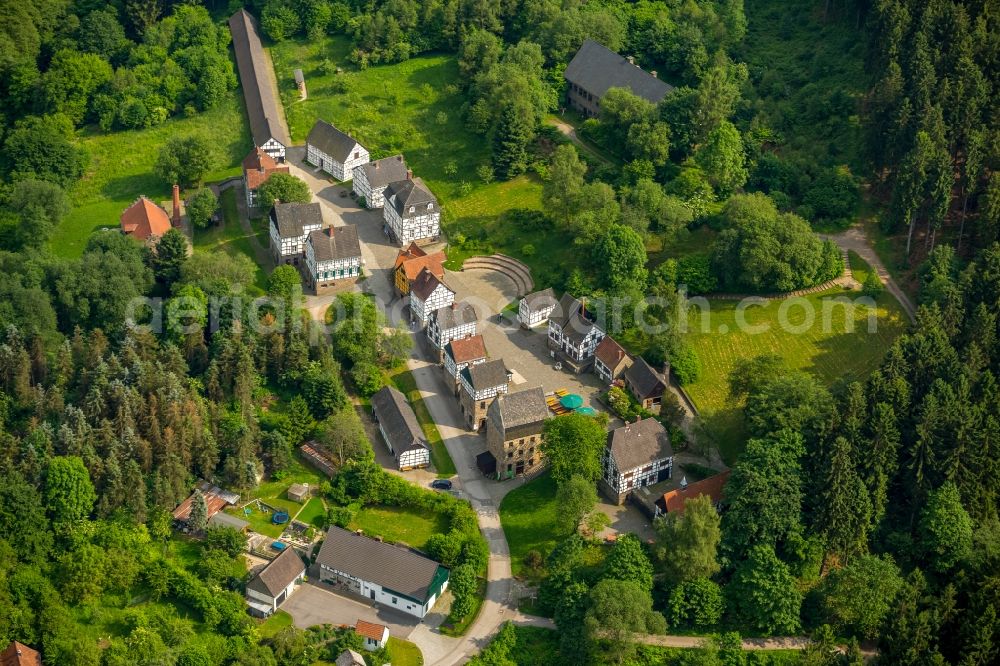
point(512, 268)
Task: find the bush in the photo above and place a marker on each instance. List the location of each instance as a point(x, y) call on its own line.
point(463, 586)
point(696, 604)
point(201, 207)
point(367, 378)
point(872, 286)
point(695, 271)
point(620, 403)
point(685, 364)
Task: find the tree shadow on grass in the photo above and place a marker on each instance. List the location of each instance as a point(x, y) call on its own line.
point(131, 187)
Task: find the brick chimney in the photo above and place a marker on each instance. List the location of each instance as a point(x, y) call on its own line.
point(177, 206)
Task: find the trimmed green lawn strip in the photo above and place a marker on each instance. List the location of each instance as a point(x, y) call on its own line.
point(404, 653)
point(399, 525)
point(440, 458)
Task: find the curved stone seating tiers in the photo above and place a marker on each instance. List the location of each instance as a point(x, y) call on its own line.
point(501, 263)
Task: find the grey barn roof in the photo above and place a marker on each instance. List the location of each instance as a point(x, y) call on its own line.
point(570, 314)
point(262, 106)
point(331, 141)
point(522, 408)
point(637, 444)
point(221, 519)
point(279, 574)
point(384, 171)
point(335, 243)
point(541, 299)
point(486, 375)
point(410, 192)
point(291, 218)
point(398, 421)
point(393, 567)
point(596, 69)
point(644, 378)
point(455, 315)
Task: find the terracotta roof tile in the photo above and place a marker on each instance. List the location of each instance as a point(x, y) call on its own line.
point(19, 654)
point(144, 219)
point(466, 350)
point(370, 630)
point(674, 500)
point(609, 352)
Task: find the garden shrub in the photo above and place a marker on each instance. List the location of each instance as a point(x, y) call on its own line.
point(697, 604)
point(685, 364)
point(695, 272)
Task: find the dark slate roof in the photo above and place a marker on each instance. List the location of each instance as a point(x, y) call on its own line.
point(292, 218)
point(518, 409)
point(279, 574)
point(384, 171)
point(597, 69)
point(644, 379)
point(222, 519)
point(393, 567)
point(486, 375)
point(398, 420)
point(409, 192)
point(335, 243)
point(565, 310)
point(637, 444)
point(454, 315)
point(425, 284)
point(262, 107)
point(541, 299)
point(571, 315)
point(331, 140)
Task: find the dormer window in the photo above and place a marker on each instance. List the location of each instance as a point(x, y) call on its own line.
point(430, 206)
point(413, 209)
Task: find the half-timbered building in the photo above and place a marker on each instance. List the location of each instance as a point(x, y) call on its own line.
point(596, 69)
point(636, 455)
point(610, 360)
point(334, 151)
point(460, 354)
point(400, 429)
point(427, 294)
point(289, 226)
point(410, 211)
point(371, 179)
point(573, 332)
point(481, 384)
point(332, 255)
point(266, 129)
point(410, 261)
point(514, 431)
point(257, 169)
point(451, 322)
point(534, 309)
point(646, 384)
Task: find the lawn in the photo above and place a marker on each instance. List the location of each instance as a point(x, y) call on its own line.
point(859, 267)
point(272, 493)
point(404, 653)
point(399, 525)
point(530, 519)
point(121, 164)
point(826, 349)
point(313, 513)
point(272, 625)
point(440, 458)
point(230, 237)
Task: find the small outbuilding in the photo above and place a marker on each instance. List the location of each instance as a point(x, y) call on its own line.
point(400, 429)
point(300, 83)
point(375, 635)
point(350, 658)
point(271, 587)
point(298, 492)
point(225, 520)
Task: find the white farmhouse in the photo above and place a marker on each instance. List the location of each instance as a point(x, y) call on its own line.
point(272, 586)
point(333, 254)
point(290, 225)
point(333, 151)
point(574, 333)
point(427, 294)
point(371, 179)
point(451, 322)
point(481, 384)
point(460, 354)
point(534, 309)
point(400, 429)
point(636, 455)
point(410, 211)
point(391, 576)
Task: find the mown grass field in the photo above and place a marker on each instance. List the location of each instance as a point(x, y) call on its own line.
point(826, 348)
point(404, 653)
point(121, 168)
point(530, 519)
point(399, 525)
point(230, 237)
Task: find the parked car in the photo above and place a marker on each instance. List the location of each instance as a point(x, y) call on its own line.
point(441, 484)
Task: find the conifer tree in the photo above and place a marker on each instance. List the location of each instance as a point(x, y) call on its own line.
point(510, 141)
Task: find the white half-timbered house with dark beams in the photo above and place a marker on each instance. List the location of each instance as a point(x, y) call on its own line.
point(333, 151)
point(636, 455)
point(290, 225)
point(460, 354)
point(388, 575)
point(451, 322)
point(333, 254)
point(574, 333)
point(266, 129)
point(481, 384)
point(534, 309)
point(371, 179)
point(275, 583)
point(427, 294)
point(410, 211)
point(400, 429)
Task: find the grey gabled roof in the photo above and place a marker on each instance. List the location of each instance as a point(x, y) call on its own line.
point(262, 106)
point(335, 243)
point(292, 218)
point(518, 409)
point(384, 171)
point(486, 375)
point(565, 309)
point(279, 574)
point(221, 519)
point(644, 379)
point(454, 315)
point(541, 299)
point(350, 658)
point(637, 444)
point(596, 69)
point(394, 567)
point(399, 423)
point(409, 192)
point(572, 316)
point(331, 141)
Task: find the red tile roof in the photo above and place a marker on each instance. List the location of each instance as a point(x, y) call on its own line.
point(464, 350)
point(258, 167)
point(370, 630)
point(19, 654)
point(610, 352)
point(144, 219)
point(673, 501)
point(413, 265)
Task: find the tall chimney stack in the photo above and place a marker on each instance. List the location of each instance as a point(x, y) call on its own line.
point(177, 206)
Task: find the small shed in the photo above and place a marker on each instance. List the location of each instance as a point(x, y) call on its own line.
point(300, 83)
point(375, 635)
point(298, 492)
point(225, 520)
